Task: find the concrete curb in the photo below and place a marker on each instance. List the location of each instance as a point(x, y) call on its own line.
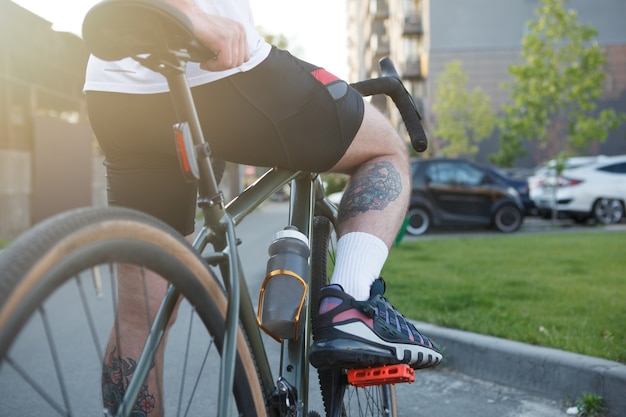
point(549, 373)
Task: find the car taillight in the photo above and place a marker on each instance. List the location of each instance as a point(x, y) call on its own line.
point(568, 182)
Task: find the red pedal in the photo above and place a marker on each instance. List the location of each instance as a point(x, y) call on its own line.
point(392, 374)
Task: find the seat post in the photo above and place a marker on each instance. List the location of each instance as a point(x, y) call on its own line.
point(210, 198)
point(186, 111)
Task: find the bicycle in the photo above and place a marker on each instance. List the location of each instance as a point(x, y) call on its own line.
point(70, 263)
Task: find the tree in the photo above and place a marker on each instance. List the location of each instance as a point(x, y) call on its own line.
point(555, 90)
point(463, 118)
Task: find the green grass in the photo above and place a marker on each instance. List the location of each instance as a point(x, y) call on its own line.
point(566, 291)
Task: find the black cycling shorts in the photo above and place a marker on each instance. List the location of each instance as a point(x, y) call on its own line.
point(285, 113)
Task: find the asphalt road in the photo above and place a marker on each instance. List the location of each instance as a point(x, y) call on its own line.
point(435, 393)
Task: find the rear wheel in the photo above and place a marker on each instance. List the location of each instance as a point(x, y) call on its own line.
point(340, 398)
point(58, 303)
point(419, 221)
point(508, 218)
point(608, 211)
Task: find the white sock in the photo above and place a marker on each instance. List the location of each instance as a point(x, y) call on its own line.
point(359, 260)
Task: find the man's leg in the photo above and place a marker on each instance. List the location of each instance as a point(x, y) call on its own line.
point(139, 296)
point(357, 326)
point(374, 203)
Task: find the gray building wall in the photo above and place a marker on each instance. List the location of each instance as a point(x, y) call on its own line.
point(500, 24)
point(486, 36)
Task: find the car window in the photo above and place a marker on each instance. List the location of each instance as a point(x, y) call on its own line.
point(454, 173)
point(619, 168)
point(414, 166)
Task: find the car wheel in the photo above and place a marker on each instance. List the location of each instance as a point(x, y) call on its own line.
point(419, 221)
point(507, 219)
point(608, 211)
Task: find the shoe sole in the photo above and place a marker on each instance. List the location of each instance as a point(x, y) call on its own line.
point(355, 345)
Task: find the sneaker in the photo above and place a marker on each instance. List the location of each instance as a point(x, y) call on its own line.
point(354, 334)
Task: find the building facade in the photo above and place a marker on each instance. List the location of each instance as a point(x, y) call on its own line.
point(47, 157)
point(422, 36)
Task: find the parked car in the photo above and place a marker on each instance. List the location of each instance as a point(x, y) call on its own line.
point(454, 192)
point(520, 185)
point(547, 172)
point(595, 190)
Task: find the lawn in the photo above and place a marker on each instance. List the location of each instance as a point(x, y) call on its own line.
point(566, 291)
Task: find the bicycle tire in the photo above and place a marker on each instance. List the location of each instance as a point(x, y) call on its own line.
point(374, 401)
point(50, 260)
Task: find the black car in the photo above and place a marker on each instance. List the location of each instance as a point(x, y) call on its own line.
point(454, 192)
point(520, 184)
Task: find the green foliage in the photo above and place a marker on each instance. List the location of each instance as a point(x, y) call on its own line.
point(532, 288)
point(590, 405)
point(334, 182)
point(464, 118)
point(555, 90)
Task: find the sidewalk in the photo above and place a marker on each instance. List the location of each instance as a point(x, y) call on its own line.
point(545, 372)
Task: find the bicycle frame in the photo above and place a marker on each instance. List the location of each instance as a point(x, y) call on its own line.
point(307, 198)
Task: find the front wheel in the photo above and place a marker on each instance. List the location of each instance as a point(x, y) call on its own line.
point(608, 211)
point(61, 345)
point(340, 398)
point(508, 218)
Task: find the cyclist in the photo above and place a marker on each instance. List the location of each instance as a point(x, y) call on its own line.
point(260, 106)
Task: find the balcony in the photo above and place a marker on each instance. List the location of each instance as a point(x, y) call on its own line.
point(413, 26)
point(379, 10)
point(413, 69)
point(379, 45)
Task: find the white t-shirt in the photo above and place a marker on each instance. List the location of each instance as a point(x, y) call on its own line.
point(128, 76)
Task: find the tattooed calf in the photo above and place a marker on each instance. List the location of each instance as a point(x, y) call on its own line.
point(373, 188)
point(116, 374)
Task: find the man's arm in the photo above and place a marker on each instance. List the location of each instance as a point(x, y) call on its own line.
point(226, 37)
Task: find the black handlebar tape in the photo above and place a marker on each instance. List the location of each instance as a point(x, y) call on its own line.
point(391, 85)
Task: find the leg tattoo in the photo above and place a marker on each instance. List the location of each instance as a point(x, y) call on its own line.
point(116, 374)
point(373, 188)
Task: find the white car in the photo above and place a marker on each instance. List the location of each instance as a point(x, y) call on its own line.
point(546, 173)
point(593, 190)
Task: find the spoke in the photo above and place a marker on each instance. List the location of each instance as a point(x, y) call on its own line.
point(116, 324)
point(55, 359)
point(57, 407)
point(97, 281)
point(186, 360)
point(88, 315)
point(195, 387)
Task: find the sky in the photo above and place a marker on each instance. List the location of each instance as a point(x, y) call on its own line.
point(316, 30)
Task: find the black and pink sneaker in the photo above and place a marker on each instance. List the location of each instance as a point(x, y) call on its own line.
point(353, 334)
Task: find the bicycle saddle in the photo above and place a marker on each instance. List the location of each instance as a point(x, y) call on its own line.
point(117, 29)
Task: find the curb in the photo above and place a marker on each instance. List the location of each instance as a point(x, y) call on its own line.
point(550, 373)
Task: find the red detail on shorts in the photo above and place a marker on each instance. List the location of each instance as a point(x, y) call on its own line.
point(324, 76)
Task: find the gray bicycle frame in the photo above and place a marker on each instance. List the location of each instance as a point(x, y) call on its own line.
point(220, 220)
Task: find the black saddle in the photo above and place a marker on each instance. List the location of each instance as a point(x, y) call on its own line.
point(116, 29)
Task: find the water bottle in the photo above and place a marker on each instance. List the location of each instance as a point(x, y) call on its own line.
point(284, 290)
